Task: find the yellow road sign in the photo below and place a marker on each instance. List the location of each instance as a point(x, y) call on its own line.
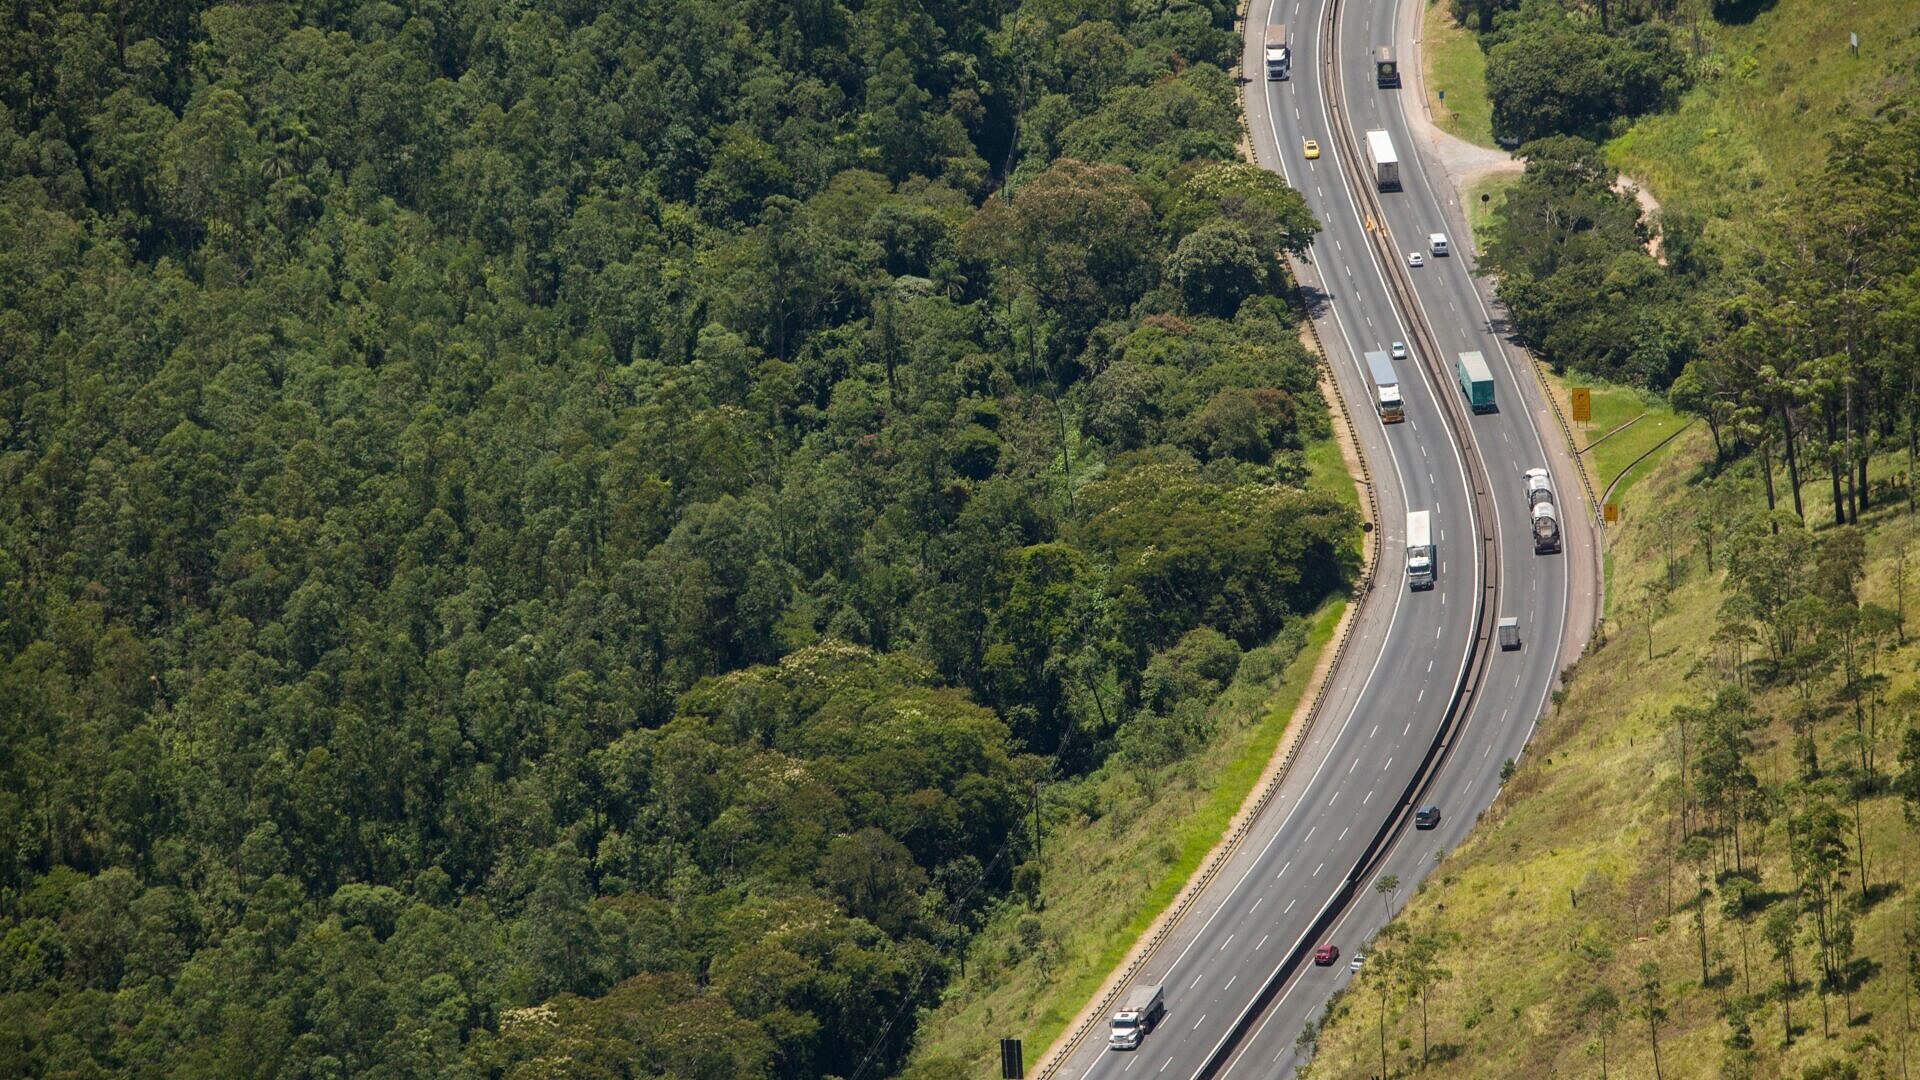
point(1611, 512)
point(1583, 406)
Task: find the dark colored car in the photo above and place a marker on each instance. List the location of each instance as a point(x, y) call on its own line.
point(1427, 817)
point(1325, 955)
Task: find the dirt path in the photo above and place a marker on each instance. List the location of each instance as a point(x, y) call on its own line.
point(1649, 209)
point(1464, 161)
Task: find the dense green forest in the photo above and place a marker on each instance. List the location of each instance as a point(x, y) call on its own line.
point(557, 539)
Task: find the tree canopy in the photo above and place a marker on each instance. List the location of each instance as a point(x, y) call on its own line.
point(557, 538)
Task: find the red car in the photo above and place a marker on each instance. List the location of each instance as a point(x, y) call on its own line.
point(1325, 955)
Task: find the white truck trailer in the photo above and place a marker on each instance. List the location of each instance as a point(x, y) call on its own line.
point(1386, 388)
point(1420, 550)
point(1386, 163)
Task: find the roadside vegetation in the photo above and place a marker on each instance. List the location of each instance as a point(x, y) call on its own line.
point(1714, 826)
point(1114, 862)
point(1456, 65)
point(1705, 863)
point(1627, 422)
point(1776, 81)
point(565, 539)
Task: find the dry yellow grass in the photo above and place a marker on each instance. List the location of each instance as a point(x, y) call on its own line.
point(1564, 884)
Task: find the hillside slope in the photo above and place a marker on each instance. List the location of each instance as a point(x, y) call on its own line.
point(1704, 865)
point(1582, 874)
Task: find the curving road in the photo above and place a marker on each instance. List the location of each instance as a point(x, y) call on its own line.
point(1381, 715)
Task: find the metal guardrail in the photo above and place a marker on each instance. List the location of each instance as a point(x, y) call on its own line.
point(1063, 1049)
point(1479, 655)
point(1566, 429)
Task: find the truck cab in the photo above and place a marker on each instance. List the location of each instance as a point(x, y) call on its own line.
point(1139, 1011)
point(1539, 487)
point(1420, 550)
point(1279, 55)
point(1386, 70)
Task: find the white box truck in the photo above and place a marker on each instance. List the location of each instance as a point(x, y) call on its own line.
point(1420, 550)
point(1139, 1011)
point(1279, 54)
point(1386, 163)
point(1386, 388)
point(1438, 242)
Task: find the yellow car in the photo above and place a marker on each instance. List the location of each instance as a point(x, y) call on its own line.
point(1311, 148)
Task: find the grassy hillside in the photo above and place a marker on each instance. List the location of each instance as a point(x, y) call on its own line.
point(1110, 863)
point(1455, 66)
point(1707, 854)
point(1579, 875)
point(1772, 88)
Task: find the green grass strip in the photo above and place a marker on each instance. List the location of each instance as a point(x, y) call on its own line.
point(1455, 64)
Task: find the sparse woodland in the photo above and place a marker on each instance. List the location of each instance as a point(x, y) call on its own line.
point(1705, 866)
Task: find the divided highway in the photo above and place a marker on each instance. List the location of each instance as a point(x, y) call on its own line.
point(1411, 650)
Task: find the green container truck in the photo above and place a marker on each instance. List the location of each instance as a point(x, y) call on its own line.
point(1476, 382)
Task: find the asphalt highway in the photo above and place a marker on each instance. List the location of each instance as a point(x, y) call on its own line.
point(1386, 704)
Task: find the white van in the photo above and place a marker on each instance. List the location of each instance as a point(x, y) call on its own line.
point(1437, 241)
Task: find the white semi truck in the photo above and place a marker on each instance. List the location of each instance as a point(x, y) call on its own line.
point(1139, 1011)
point(1546, 520)
point(1386, 388)
point(1279, 53)
point(1420, 550)
point(1386, 163)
